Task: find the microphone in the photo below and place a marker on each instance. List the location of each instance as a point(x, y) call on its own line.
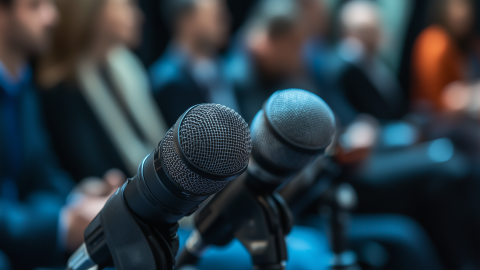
point(292, 129)
point(208, 146)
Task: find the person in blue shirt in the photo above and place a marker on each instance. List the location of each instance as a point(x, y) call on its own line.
point(36, 225)
point(190, 72)
point(266, 55)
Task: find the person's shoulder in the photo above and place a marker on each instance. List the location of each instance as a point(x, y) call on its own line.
point(64, 96)
point(238, 68)
point(435, 32)
point(433, 40)
point(164, 71)
point(65, 87)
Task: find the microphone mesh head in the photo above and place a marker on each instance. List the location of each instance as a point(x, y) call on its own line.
point(213, 137)
point(301, 118)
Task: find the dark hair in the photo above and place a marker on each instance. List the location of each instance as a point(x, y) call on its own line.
point(276, 17)
point(438, 10)
point(6, 2)
point(173, 10)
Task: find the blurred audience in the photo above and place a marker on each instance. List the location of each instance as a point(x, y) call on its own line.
point(442, 53)
point(318, 17)
point(35, 226)
point(368, 83)
point(190, 72)
point(268, 54)
point(321, 65)
point(316, 51)
point(105, 113)
point(96, 95)
point(445, 69)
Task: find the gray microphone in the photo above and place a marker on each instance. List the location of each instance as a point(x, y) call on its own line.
point(293, 128)
point(208, 146)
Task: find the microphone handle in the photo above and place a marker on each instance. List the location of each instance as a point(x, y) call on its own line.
point(193, 250)
point(186, 258)
point(227, 217)
point(116, 232)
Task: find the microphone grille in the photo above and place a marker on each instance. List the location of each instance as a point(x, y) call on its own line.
point(216, 139)
point(301, 118)
point(213, 137)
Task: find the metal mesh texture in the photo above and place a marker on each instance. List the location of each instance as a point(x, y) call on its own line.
point(302, 117)
point(299, 116)
point(213, 137)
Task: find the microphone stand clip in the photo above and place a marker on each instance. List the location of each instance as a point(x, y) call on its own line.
point(269, 222)
point(259, 220)
point(117, 238)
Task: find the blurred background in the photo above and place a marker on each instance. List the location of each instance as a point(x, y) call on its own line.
point(402, 77)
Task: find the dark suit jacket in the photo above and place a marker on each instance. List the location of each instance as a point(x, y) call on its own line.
point(251, 87)
point(174, 87)
point(323, 67)
point(29, 225)
point(365, 96)
point(82, 144)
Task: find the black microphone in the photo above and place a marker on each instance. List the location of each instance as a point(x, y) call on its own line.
point(208, 146)
point(293, 128)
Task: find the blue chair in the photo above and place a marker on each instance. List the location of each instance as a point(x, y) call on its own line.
point(4, 262)
point(307, 250)
point(404, 242)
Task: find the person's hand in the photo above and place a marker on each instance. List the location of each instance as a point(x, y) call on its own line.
point(357, 140)
point(85, 202)
point(457, 96)
point(115, 179)
point(78, 215)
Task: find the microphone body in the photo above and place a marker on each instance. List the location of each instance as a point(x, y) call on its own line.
point(260, 220)
point(208, 146)
point(293, 128)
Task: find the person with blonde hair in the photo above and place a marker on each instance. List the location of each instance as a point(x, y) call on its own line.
point(96, 94)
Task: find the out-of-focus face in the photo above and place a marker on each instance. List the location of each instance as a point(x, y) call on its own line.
point(286, 53)
point(28, 24)
point(120, 21)
point(210, 22)
point(362, 22)
point(316, 16)
point(370, 36)
point(459, 17)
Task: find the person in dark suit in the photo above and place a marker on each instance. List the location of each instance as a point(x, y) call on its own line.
point(33, 188)
point(35, 224)
point(320, 61)
point(367, 82)
point(267, 55)
point(190, 72)
point(98, 90)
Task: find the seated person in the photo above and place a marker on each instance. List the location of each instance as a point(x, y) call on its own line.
point(189, 72)
point(321, 62)
point(268, 55)
point(441, 53)
point(97, 99)
point(35, 226)
point(443, 71)
point(367, 82)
